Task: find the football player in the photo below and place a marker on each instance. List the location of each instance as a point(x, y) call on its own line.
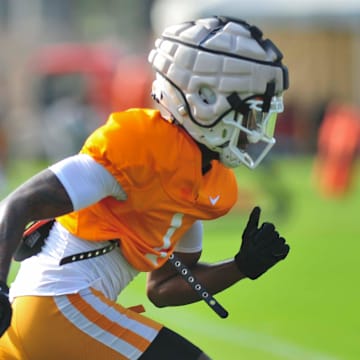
point(135, 196)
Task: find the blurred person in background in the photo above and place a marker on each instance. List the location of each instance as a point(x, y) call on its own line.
point(134, 199)
point(67, 122)
point(338, 145)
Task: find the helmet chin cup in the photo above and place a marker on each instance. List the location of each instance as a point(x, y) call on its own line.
point(233, 159)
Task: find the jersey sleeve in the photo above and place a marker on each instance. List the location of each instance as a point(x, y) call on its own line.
point(119, 146)
point(191, 241)
point(86, 181)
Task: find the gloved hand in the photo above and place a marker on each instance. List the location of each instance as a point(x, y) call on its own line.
point(5, 308)
point(261, 248)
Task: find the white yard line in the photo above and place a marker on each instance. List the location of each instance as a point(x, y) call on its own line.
point(267, 344)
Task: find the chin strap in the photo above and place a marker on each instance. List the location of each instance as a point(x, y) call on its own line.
point(269, 94)
point(238, 105)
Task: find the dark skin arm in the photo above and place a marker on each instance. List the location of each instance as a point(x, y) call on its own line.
point(41, 197)
point(165, 287)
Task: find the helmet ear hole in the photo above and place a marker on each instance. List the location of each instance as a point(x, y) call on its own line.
point(207, 95)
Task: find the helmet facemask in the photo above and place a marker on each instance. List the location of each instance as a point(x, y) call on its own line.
point(253, 134)
point(224, 99)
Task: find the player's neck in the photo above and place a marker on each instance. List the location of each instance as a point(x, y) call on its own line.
point(206, 157)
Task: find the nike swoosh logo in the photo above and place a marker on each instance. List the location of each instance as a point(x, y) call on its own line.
point(214, 200)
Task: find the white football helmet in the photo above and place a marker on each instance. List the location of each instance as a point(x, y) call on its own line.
point(223, 83)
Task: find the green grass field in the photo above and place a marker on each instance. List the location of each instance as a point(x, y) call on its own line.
point(307, 306)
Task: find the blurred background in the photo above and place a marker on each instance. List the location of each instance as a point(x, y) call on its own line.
point(64, 65)
point(66, 61)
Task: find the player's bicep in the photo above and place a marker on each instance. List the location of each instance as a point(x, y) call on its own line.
point(188, 250)
point(40, 197)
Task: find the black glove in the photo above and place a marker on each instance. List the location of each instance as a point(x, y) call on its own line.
point(5, 308)
point(261, 248)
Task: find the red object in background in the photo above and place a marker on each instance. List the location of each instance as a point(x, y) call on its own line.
point(131, 85)
point(109, 79)
point(76, 86)
point(338, 143)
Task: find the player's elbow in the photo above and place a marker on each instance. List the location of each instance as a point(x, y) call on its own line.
point(157, 296)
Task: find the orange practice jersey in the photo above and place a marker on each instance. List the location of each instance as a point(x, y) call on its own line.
point(159, 166)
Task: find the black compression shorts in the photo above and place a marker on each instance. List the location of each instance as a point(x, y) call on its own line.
point(169, 345)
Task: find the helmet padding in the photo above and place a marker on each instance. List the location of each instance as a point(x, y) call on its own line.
point(200, 65)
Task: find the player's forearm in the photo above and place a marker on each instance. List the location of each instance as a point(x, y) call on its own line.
point(214, 277)
point(11, 228)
